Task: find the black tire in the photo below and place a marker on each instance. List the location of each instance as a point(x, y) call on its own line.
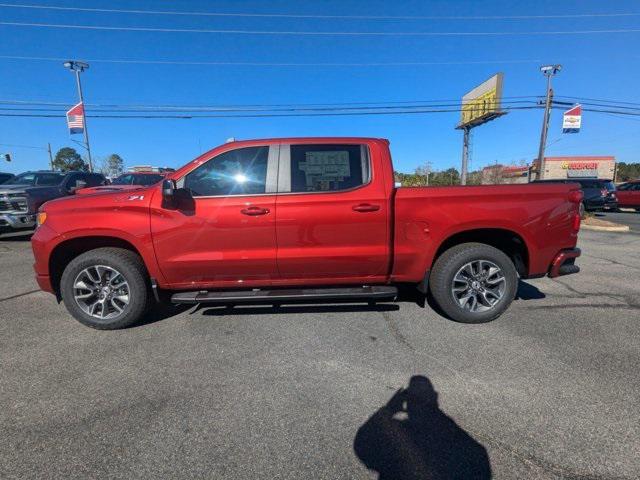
point(451, 261)
point(131, 267)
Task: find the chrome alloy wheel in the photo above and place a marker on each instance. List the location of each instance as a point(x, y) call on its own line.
point(101, 292)
point(478, 286)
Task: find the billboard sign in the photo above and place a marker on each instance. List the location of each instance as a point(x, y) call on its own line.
point(572, 119)
point(482, 104)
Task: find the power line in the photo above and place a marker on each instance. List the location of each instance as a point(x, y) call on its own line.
point(257, 108)
point(277, 64)
point(297, 114)
point(317, 33)
point(617, 112)
point(417, 106)
point(254, 115)
point(599, 100)
point(21, 146)
point(592, 104)
point(285, 15)
point(402, 102)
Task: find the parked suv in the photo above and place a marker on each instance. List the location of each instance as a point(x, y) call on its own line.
point(21, 198)
point(598, 194)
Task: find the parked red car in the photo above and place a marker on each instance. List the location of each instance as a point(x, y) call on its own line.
point(126, 181)
point(629, 195)
point(301, 220)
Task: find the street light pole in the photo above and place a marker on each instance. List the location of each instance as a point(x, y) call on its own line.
point(77, 68)
point(548, 71)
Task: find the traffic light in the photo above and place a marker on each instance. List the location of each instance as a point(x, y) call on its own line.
point(7, 157)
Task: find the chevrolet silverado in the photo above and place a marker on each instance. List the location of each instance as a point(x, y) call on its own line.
point(301, 220)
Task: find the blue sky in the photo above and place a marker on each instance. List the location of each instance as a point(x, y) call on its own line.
point(594, 65)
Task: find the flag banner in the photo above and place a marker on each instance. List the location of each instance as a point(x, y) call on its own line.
point(572, 120)
point(75, 119)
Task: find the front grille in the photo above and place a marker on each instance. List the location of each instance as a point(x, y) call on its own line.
point(13, 203)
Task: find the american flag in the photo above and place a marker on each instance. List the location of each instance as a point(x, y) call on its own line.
point(75, 119)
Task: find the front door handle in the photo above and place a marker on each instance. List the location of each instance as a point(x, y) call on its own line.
point(366, 207)
point(254, 211)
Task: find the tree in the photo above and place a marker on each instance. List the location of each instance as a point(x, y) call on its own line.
point(115, 165)
point(68, 159)
point(110, 166)
point(451, 176)
point(627, 171)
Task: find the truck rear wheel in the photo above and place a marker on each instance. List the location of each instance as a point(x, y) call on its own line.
point(473, 282)
point(106, 288)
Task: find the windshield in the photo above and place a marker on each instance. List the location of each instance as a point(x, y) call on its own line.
point(38, 179)
point(147, 179)
point(137, 179)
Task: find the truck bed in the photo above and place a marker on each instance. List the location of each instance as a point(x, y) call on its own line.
point(539, 214)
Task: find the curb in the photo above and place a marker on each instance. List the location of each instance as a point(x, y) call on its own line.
point(597, 228)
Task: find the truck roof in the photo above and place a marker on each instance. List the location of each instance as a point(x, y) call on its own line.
point(230, 145)
point(310, 140)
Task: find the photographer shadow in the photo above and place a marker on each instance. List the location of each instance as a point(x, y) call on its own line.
point(410, 438)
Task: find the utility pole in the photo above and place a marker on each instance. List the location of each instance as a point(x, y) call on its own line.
point(78, 68)
point(548, 71)
point(465, 156)
point(50, 155)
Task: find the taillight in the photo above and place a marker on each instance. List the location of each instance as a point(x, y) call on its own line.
point(604, 192)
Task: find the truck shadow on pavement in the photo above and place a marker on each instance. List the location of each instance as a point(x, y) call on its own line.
point(161, 312)
point(406, 294)
point(526, 291)
point(410, 438)
point(288, 309)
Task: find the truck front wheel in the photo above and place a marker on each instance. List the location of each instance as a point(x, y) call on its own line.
point(106, 288)
point(473, 282)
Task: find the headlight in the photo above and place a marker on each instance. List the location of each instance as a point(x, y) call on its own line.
point(41, 218)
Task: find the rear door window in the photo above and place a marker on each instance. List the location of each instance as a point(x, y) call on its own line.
point(328, 168)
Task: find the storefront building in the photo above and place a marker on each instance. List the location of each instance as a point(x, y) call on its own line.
point(576, 167)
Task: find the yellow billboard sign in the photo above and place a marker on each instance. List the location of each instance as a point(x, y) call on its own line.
point(482, 103)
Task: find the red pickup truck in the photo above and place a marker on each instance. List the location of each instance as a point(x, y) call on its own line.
point(301, 220)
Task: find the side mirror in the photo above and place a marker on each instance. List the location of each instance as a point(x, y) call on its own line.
point(175, 198)
point(168, 190)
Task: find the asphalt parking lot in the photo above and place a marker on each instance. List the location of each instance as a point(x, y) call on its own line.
point(549, 390)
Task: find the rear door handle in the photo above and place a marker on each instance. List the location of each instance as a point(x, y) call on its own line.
point(254, 211)
point(366, 207)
